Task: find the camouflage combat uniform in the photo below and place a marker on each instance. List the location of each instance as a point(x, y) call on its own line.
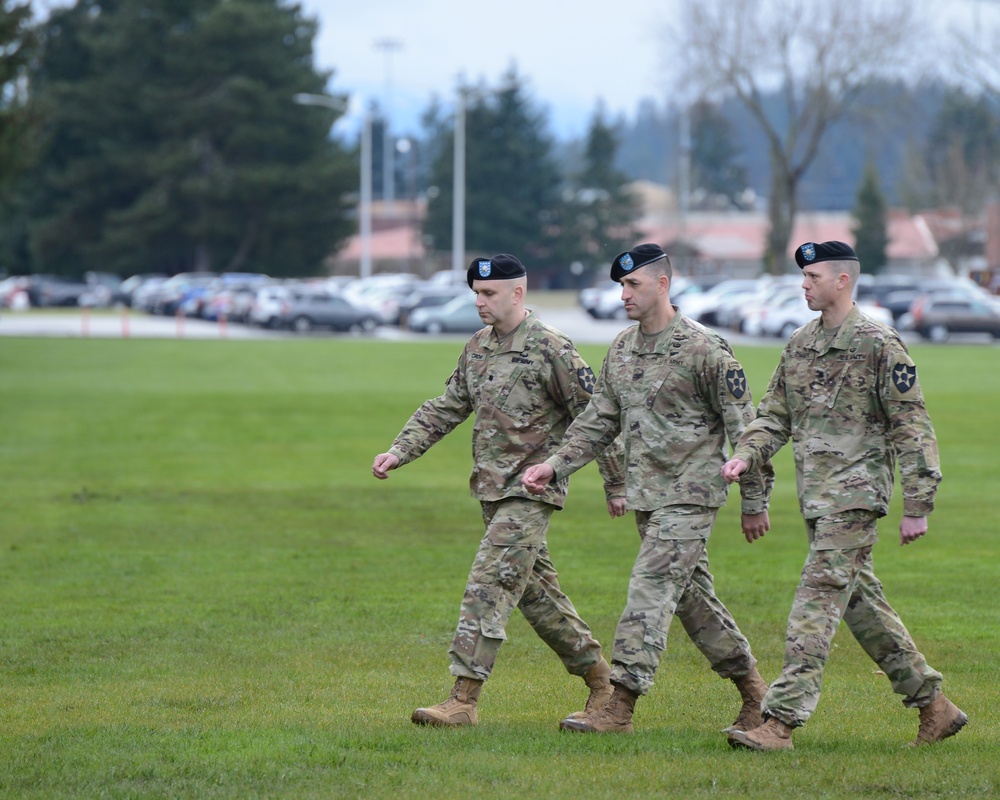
point(852, 406)
point(674, 401)
point(524, 394)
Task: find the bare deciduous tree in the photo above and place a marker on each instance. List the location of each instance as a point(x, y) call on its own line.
point(976, 40)
point(814, 56)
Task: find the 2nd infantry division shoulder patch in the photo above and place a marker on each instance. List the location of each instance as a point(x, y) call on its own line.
point(904, 377)
point(585, 375)
point(736, 382)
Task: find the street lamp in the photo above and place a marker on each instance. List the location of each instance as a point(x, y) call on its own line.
point(458, 190)
point(365, 201)
point(388, 46)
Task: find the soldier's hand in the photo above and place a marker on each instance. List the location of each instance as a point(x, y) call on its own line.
point(911, 529)
point(616, 507)
point(732, 469)
point(383, 463)
point(536, 478)
point(755, 525)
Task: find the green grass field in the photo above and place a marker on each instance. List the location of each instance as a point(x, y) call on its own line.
point(205, 594)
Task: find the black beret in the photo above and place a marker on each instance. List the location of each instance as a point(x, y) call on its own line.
point(501, 267)
point(638, 256)
point(812, 253)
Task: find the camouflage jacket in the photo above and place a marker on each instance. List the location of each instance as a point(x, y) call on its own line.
point(524, 395)
point(674, 403)
point(851, 406)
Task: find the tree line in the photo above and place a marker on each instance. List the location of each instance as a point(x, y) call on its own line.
point(163, 136)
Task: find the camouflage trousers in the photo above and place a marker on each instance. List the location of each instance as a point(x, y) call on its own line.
point(513, 570)
point(837, 584)
point(670, 577)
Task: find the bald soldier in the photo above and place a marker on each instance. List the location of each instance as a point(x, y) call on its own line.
point(524, 382)
point(675, 393)
point(846, 393)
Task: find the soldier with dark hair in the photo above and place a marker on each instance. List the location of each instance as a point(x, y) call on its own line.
point(846, 393)
point(675, 393)
point(524, 382)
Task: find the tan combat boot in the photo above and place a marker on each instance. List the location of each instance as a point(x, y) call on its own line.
point(614, 717)
point(458, 709)
point(752, 689)
point(598, 678)
point(772, 735)
point(939, 720)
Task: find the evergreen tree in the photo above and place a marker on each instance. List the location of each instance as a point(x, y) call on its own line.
point(962, 150)
point(173, 142)
point(871, 235)
point(17, 42)
point(717, 177)
point(511, 180)
point(594, 220)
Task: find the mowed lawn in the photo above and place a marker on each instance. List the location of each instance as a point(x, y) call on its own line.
point(204, 593)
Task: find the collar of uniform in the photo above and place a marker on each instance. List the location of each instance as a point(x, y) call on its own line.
point(844, 335)
point(664, 340)
point(515, 343)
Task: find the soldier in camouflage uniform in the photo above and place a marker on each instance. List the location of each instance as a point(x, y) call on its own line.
point(525, 382)
point(846, 393)
point(675, 392)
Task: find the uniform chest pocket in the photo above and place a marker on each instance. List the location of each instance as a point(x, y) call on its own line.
point(499, 386)
point(839, 383)
point(643, 383)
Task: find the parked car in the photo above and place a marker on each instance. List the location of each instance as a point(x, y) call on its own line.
point(265, 310)
point(302, 311)
point(793, 312)
point(429, 296)
point(174, 292)
point(938, 317)
point(706, 306)
point(144, 297)
point(750, 318)
point(53, 290)
point(457, 316)
point(101, 288)
point(603, 300)
point(125, 293)
point(14, 292)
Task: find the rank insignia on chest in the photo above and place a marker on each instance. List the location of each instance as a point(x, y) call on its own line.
point(585, 375)
point(904, 377)
point(737, 383)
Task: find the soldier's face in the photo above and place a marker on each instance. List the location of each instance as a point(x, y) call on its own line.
point(640, 292)
point(819, 281)
point(495, 301)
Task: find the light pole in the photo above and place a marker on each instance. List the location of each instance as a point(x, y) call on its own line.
point(365, 197)
point(388, 46)
point(458, 189)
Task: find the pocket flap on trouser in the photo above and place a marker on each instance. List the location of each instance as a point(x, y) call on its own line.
point(492, 631)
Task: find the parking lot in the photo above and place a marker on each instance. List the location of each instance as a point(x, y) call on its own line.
point(83, 323)
point(124, 323)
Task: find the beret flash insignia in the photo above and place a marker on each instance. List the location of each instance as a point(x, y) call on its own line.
point(626, 262)
point(485, 268)
point(809, 251)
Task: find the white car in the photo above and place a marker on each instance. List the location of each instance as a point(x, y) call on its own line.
point(267, 305)
point(793, 312)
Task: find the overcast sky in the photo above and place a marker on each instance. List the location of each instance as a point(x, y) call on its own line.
point(571, 54)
